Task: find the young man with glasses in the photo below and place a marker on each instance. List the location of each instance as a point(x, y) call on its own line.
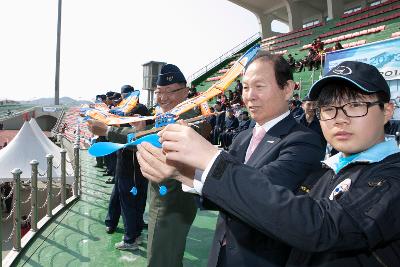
point(351, 217)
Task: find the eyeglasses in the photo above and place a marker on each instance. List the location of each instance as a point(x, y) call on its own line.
point(351, 110)
point(158, 92)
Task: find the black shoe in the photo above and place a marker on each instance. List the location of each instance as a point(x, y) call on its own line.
point(110, 230)
point(110, 181)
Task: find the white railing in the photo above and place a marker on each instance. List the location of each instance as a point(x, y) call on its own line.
point(15, 236)
point(223, 57)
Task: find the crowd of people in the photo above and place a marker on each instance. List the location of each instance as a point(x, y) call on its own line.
point(314, 58)
point(260, 167)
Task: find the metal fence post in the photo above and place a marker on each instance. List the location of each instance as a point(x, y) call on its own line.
point(76, 170)
point(34, 175)
point(49, 158)
point(63, 175)
point(17, 212)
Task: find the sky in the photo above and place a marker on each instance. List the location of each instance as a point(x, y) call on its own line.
point(105, 42)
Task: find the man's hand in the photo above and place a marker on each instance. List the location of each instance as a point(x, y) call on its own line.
point(182, 144)
point(155, 166)
point(97, 127)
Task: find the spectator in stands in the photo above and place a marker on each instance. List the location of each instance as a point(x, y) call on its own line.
point(64, 127)
point(230, 96)
point(309, 119)
point(236, 99)
point(312, 54)
point(292, 62)
point(25, 225)
point(211, 121)
point(6, 191)
point(239, 87)
point(244, 123)
point(337, 46)
point(296, 98)
point(219, 123)
point(224, 101)
point(192, 91)
point(318, 45)
point(295, 110)
point(1, 126)
point(231, 124)
point(302, 64)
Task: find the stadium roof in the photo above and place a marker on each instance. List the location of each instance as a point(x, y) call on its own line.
point(294, 12)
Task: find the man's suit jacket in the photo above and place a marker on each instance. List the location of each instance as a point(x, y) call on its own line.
point(286, 155)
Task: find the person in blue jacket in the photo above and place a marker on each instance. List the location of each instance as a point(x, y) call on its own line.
point(351, 217)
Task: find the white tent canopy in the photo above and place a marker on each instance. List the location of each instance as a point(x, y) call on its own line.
point(50, 146)
point(31, 144)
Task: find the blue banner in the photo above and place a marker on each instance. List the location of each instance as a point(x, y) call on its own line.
point(384, 55)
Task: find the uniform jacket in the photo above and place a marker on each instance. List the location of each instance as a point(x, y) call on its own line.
point(284, 157)
point(330, 226)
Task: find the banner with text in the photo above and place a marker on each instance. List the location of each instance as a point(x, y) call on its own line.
point(384, 55)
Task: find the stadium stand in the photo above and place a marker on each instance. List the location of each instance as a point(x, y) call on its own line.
point(11, 110)
point(367, 25)
point(68, 127)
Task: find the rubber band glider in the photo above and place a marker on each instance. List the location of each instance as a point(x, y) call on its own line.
point(105, 148)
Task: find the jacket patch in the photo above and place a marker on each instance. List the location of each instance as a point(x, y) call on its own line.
point(341, 188)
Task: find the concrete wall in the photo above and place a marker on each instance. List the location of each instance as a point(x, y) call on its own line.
point(46, 120)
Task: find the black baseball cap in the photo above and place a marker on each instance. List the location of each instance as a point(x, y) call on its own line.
point(115, 96)
point(110, 94)
point(126, 89)
point(170, 74)
point(364, 76)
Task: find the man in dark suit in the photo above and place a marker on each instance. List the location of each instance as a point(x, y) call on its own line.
point(219, 123)
point(231, 124)
point(277, 148)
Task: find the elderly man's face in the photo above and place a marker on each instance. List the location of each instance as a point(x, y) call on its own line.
point(169, 96)
point(264, 99)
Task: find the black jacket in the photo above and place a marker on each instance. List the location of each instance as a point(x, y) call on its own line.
point(284, 157)
point(314, 125)
point(360, 227)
